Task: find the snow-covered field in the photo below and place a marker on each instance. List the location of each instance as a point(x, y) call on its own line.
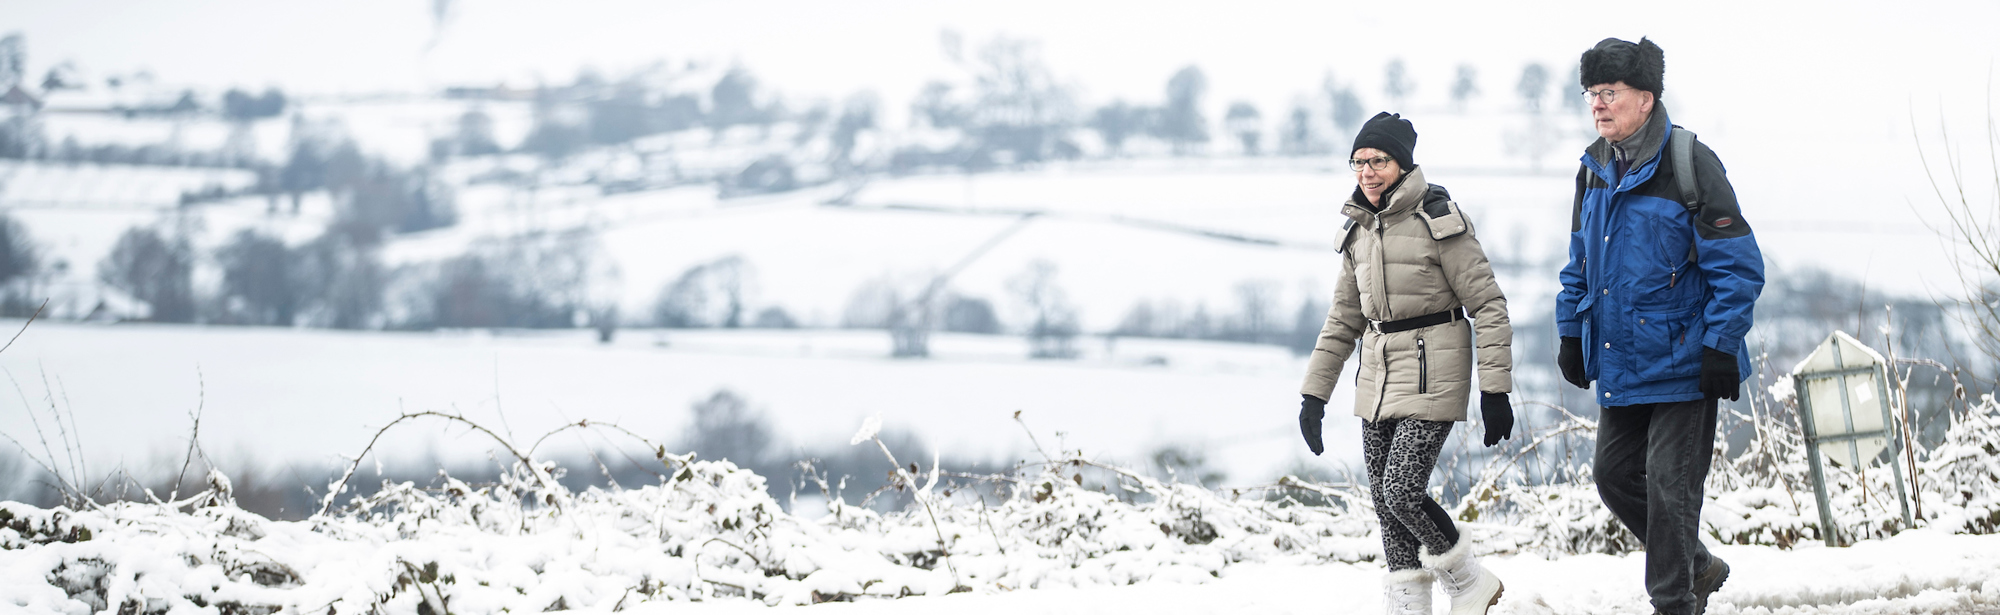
point(276, 397)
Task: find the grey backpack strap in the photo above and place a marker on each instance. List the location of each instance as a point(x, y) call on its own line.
point(1682, 145)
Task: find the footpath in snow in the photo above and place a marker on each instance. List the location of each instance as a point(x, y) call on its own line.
point(1916, 572)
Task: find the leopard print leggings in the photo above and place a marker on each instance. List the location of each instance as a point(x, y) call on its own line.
point(1401, 454)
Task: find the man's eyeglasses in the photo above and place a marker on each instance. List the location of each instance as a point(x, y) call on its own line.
point(1379, 163)
point(1610, 95)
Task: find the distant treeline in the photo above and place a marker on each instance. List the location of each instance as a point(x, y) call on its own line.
point(1001, 105)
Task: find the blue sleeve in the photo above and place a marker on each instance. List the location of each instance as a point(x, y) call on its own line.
point(1727, 253)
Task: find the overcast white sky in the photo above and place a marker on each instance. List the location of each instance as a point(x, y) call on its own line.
point(1814, 99)
point(1718, 52)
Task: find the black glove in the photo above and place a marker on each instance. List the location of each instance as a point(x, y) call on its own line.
point(1310, 412)
point(1499, 417)
point(1570, 359)
point(1719, 379)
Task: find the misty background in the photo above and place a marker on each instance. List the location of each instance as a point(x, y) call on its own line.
point(739, 228)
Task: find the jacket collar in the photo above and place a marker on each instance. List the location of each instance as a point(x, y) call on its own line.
point(1642, 146)
point(1402, 197)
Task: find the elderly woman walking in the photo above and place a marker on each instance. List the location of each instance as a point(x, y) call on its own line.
point(1412, 268)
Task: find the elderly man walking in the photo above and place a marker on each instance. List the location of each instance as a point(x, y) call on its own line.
point(1663, 272)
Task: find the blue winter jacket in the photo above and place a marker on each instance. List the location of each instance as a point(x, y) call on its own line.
point(1643, 310)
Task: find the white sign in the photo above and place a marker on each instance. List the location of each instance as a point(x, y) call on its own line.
point(1843, 411)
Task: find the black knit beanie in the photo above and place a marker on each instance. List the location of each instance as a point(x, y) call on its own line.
point(1641, 65)
point(1390, 133)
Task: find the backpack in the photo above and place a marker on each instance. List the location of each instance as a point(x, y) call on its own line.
point(1681, 149)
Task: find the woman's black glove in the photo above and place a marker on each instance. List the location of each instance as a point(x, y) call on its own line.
point(1570, 359)
point(1499, 415)
point(1719, 379)
point(1310, 412)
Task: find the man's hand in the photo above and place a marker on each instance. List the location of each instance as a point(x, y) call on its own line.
point(1719, 379)
point(1499, 415)
point(1310, 412)
point(1570, 359)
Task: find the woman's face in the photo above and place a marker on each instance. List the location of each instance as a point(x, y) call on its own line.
point(1374, 181)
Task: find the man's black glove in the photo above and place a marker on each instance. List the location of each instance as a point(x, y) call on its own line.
point(1310, 412)
point(1719, 379)
point(1499, 415)
point(1570, 359)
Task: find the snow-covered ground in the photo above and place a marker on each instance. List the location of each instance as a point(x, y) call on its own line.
point(1917, 572)
point(708, 539)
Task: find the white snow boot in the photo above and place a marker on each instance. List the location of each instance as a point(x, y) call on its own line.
point(1407, 592)
point(1472, 588)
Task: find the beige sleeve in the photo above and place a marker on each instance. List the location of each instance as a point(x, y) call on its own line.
point(1344, 324)
point(1471, 277)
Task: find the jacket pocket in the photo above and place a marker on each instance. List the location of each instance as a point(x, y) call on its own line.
point(1666, 344)
point(1423, 368)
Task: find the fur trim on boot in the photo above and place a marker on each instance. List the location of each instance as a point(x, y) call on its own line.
point(1472, 588)
point(1407, 592)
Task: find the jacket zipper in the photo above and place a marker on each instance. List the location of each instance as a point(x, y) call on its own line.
point(1423, 368)
point(1381, 266)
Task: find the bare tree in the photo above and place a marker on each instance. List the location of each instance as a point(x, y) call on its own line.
point(1972, 224)
point(1297, 137)
point(1118, 121)
point(1464, 87)
point(155, 269)
point(857, 116)
point(1182, 122)
point(20, 260)
point(936, 106)
point(733, 100)
point(1306, 325)
point(1053, 326)
point(1573, 101)
point(1343, 106)
point(1533, 86)
point(1244, 121)
point(1020, 107)
point(1396, 83)
point(1139, 321)
point(1256, 301)
point(710, 294)
point(260, 282)
point(725, 427)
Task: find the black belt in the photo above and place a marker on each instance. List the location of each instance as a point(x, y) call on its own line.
point(1419, 322)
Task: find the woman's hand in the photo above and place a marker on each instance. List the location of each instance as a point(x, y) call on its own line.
point(1499, 415)
point(1311, 410)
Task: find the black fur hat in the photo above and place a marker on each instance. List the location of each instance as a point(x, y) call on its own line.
point(1390, 133)
point(1641, 65)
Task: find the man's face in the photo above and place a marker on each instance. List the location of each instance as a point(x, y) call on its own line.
point(1621, 116)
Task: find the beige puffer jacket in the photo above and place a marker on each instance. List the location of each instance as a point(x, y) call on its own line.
point(1418, 257)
